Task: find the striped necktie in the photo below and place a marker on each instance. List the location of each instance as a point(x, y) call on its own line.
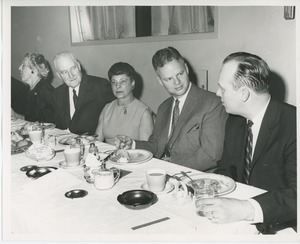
point(174, 122)
point(248, 153)
point(75, 98)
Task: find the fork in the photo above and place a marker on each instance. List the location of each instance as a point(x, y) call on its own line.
point(174, 176)
point(194, 184)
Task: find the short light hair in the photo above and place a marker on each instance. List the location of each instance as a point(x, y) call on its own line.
point(164, 56)
point(39, 62)
point(252, 71)
point(64, 53)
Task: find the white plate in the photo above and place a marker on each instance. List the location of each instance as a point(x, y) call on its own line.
point(63, 164)
point(87, 139)
point(18, 123)
point(223, 184)
point(136, 156)
point(168, 188)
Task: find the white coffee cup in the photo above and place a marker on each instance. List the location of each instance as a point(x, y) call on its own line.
point(156, 179)
point(72, 156)
point(105, 178)
point(35, 136)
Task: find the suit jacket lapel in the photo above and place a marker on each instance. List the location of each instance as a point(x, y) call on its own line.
point(267, 124)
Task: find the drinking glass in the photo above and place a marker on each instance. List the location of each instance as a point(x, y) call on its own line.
point(201, 193)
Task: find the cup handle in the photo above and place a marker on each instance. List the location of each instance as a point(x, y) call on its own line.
point(116, 179)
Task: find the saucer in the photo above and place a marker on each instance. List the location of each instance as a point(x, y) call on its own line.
point(63, 164)
point(168, 188)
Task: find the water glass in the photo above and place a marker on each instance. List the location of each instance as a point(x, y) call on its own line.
point(201, 193)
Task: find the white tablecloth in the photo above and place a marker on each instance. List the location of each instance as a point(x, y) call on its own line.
point(40, 210)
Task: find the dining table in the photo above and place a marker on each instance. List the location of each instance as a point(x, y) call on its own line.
point(39, 209)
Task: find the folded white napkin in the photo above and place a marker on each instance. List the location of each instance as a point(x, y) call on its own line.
point(92, 161)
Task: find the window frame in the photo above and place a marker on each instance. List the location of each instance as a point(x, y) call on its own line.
point(162, 38)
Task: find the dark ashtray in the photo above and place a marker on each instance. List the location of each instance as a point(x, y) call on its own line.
point(28, 167)
point(38, 172)
point(137, 199)
point(77, 193)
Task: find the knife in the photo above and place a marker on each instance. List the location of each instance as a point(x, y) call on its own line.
point(108, 157)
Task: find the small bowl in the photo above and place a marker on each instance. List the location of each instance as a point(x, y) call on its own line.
point(39, 155)
point(38, 172)
point(77, 193)
point(28, 167)
point(137, 199)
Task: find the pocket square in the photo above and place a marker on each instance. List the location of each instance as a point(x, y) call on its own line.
point(195, 127)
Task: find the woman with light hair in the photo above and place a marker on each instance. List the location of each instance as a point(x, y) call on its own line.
point(34, 71)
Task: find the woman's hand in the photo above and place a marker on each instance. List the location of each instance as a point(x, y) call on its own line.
point(123, 142)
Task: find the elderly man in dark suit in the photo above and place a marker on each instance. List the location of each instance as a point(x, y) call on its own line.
point(259, 147)
point(80, 100)
point(189, 128)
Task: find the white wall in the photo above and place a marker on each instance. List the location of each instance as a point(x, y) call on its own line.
point(261, 30)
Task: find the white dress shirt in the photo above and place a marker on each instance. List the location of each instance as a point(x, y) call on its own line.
point(181, 103)
point(257, 120)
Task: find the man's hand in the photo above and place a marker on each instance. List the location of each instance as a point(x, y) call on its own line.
point(226, 210)
point(123, 142)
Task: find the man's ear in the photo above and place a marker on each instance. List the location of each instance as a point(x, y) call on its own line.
point(78, 65)
point(245, 94)
point(159, 80)
point(58, 75)
point(186, 68)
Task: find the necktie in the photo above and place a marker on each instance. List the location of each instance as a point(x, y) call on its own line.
point(75, 98)
point(248, 153)
point(174, 122)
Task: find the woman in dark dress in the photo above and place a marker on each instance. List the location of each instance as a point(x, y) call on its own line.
point(34, 71)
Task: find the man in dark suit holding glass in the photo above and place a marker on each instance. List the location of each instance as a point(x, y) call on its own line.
point(259, 148)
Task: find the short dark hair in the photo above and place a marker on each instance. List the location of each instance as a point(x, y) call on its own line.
point(165, 55)
point(121, 68)
point(252, 71)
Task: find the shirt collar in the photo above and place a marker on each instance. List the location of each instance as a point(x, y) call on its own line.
point(76, 89)
point(259, 117)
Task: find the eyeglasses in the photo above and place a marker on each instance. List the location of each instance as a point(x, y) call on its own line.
point(119, 83)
